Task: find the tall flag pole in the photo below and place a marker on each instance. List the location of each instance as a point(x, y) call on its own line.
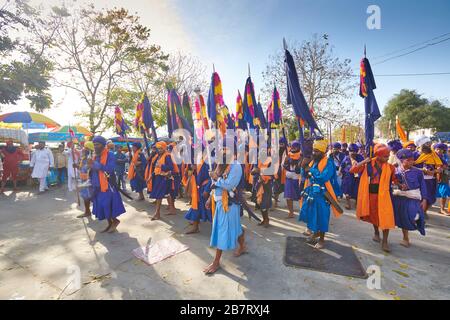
point(401, 133)
point(367, 85)
point(296, 98)
point(121, 127)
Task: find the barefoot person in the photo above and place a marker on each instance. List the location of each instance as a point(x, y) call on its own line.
point(408, 199)
point(86, 190)
point(137, 170)
point(200, 188)
point(374, 204)
point(107, 203)
point(292, 184)
point(12, 157)
point(314, 208)
point(263, 174)
point(227, 231)
point(158, 177)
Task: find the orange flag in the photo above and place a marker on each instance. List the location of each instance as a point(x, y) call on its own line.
point(343, 137)
point(401, 133)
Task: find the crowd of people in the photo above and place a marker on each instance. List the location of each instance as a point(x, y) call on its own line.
point(394, 188)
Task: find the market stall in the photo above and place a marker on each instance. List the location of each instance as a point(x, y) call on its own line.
point(20, 140)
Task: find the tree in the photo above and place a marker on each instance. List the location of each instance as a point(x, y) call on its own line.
point(24, 68)
point(414, 112)
point(183, 72)
point(95, 52)
point(325, 79)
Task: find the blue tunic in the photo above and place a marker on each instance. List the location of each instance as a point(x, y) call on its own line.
point(204, 185)
point(226, 227)
point(138, 182)
point(406, 210)
point(315, 210)
point(350, 183)
point(443, 189)
point(292, 186)
point(162, 186)
point(430, 184)
point(121, 159)
point(106, 205)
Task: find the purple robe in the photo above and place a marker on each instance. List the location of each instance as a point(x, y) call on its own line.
point(350, 183)
point(106, 205)
point(408, 212)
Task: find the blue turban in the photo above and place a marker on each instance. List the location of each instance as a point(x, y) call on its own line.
point(296, 144)
point(441, 146)
point(404, 154)
point(99, 139)
point(137, 145)
point(336, 145)
point(395, 145)
point(283, 140)
point(353, 147)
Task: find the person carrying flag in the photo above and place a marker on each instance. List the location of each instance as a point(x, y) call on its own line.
point(314, 208)
point(292, 165)
point(107, 202)
point(374, 204)
point(158, 175)
point(137, 170)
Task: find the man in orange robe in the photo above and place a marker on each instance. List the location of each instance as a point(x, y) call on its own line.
point(374, 204)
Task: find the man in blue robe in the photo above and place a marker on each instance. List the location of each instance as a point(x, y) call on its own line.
point(226, 231)
point(107, 203)
point(315, 209)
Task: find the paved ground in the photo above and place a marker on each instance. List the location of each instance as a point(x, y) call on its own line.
point(40, 240)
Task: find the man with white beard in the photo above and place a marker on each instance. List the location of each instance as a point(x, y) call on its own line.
point(41, 161)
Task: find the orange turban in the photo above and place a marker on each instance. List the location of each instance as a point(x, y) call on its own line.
point(381, 150)
point(161, 145)
point(407, 144)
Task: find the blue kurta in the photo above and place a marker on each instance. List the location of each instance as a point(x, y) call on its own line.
point(315, 210)
point(106, 205)
point(138, 182)
point(204, 185)
point(292, 186)
point(121, 159)
point(408, 212)
point(350, 183)
point(226, 227)
point(162, 186)
point(443, 188)
point(430, 184)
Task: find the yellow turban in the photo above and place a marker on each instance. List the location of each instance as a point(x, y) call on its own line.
point(89, 145)
point(321, 145)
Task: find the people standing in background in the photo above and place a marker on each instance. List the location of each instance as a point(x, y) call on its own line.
point(431, 164)
point(73, 157)
point(345, 150)
point(12, 156)
point(350, 181)
point(443, 188)
point(121, 160)
point(61, 164)
point(86, 189)
point(137, 170)
point(292, 183)
point(41, 161)
point(337, 156)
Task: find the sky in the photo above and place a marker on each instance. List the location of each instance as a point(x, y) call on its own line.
point(233, 33)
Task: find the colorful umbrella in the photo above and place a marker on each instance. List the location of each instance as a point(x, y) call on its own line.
point(76, 129)
point(28, 117)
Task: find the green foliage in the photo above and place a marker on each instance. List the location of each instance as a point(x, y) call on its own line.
point(414, 112)
point(24, 70)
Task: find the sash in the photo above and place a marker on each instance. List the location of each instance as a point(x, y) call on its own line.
point(385, 208)
point(132, 169)
point(101, 174)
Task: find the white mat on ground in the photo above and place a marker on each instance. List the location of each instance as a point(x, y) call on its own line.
point(159, 251)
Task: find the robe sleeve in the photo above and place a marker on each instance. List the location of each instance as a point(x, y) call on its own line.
point(326, 174)
point(51, 159)
point(233, 179)
point(356, 169)
point(108, 167)
point(33, 159)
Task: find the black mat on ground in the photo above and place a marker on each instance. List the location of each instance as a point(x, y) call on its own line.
point(334, 258)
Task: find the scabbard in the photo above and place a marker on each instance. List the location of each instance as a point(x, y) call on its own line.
point(332, 202)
